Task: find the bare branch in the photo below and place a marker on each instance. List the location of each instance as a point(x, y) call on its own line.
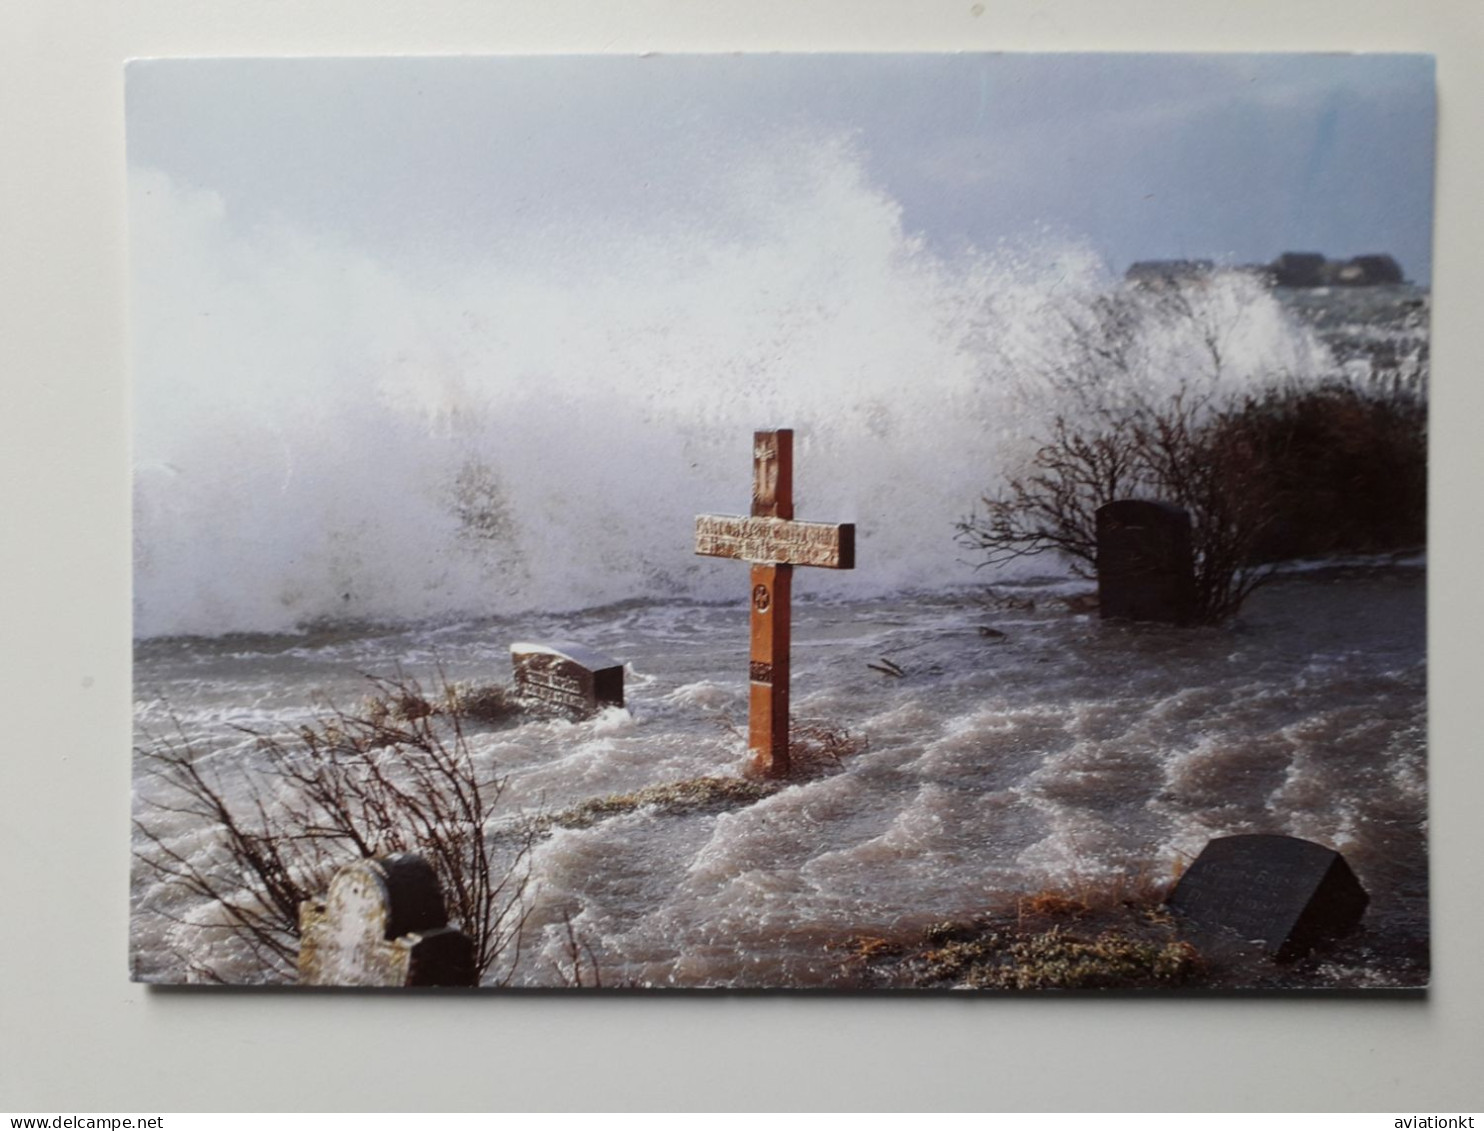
point(397, 775)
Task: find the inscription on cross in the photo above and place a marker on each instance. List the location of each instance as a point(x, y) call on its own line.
point(774, 543)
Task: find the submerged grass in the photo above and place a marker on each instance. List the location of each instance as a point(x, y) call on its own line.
point(483, 702)
point(1112, 935)
point(1059, 959)
point(815, 750)
point(462, 701)
point(693, 795)
point(818, 749)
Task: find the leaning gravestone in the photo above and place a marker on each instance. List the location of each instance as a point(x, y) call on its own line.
point(566, 679)
point(383, 923)
point(1286, 893)
point(1145, 562)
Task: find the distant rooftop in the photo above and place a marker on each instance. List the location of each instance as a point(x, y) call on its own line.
point(1291, 269)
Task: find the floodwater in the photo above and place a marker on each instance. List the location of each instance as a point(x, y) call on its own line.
point(1025, 746)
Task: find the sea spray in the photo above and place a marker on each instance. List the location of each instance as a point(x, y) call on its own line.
point(322, 438)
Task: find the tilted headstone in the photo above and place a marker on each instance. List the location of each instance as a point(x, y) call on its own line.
point(1145, 562)
point(566, 678)
point(383, 923)
point(1285, 893)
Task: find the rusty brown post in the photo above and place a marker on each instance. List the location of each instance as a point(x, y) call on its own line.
point(772, 595)
point(774, 543)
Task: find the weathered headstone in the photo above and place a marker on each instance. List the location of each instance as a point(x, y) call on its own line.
point(774, 543)
point(566, 678)
point(383, 923)
point(1145, 562)
point(1285, 893)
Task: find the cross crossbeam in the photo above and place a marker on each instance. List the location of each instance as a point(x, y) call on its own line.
point(774, 543)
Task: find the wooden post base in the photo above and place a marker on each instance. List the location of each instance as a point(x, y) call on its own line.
point(767, 715)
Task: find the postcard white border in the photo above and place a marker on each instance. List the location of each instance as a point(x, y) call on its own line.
point(76, 1036)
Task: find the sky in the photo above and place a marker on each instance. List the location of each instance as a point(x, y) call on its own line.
point(422, 162)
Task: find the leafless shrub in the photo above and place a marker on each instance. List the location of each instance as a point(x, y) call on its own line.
point(580, 970)
point(1183, 451)
point(395, 776)
point(1269, 466)
point(1344, 465)
point(816, 749)
point(1278, 473)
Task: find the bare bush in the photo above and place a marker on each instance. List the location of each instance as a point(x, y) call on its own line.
point(1181, 452)
point(1274, 455)
point(1265, 476)
point(580, 971)
point(817, 749)
point(395, 776)
point(1344, 466)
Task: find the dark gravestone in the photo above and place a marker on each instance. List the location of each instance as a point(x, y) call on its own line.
point(1145, 562)
point(1286, 893)
point(567, 679)
point(383, 923)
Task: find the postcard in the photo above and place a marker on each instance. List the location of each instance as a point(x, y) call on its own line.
point(781, 522)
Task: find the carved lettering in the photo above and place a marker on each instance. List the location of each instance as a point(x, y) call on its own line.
point(553, 681)
point(776, 541)
point(568, 678)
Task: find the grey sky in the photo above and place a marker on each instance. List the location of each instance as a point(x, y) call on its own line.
point(428, 161)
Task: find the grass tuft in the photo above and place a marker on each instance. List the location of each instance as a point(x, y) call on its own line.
point(1057, 959)
point(462, 702)
point(694, 795)
point(1105, 933)
point(816, 749)
point(1053, 905)
point(482, 702)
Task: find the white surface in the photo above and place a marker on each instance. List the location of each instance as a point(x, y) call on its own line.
point(76, 1036)
point(592, 660)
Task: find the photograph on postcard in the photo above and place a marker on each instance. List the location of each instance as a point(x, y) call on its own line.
point(786, 522)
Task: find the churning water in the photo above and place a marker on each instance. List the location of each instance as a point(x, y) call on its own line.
point(1051, 752)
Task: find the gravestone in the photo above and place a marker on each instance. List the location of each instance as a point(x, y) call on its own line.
point(383, 923)
point(566, 679)
point(1286, 893)
point(1145, 562)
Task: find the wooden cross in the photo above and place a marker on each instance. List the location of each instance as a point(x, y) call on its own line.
point(774, 543)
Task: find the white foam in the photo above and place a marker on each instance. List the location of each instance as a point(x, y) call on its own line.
point(320, 438)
